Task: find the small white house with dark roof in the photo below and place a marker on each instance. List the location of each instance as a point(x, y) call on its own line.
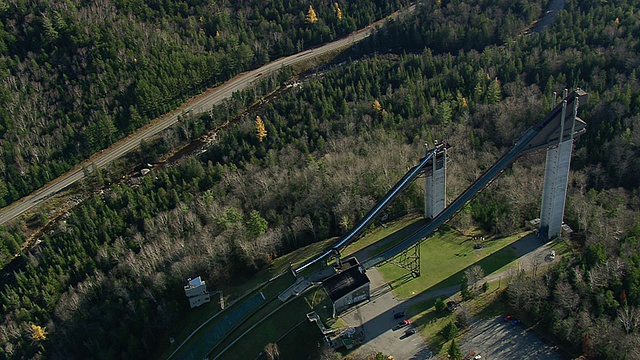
point(196, 291)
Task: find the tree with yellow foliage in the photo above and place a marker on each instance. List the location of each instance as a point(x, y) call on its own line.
point(338, 10)
point(461, 100)
point(261, 132)
point(377, 106)
point(38, 333)
point(311, 15)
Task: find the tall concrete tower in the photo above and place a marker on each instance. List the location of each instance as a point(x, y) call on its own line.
point(435, 187)
point(556, 175)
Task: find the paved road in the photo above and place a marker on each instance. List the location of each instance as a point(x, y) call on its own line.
point(198, 104)
point(549, 16)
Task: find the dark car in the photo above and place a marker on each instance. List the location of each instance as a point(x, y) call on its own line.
point(410, 331)
point(398, 315)
point(515, 322)
point(452, 305)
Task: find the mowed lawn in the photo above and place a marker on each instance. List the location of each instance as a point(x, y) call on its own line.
point(376, 233)
point(443, 258)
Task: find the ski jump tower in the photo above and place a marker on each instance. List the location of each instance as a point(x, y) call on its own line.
point(556, 175)
point(556, 134)
point(435, 187)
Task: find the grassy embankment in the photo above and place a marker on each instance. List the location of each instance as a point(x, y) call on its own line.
point(287, 326)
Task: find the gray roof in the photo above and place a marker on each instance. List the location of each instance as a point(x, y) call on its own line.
point(345, 282)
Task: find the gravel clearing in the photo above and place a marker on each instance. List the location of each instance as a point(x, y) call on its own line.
point(498, 339)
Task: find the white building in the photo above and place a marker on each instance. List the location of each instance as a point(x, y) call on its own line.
point(196, 291)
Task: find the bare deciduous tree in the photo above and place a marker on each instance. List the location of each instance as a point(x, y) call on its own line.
point(271, 351)
point(474, 275)
point(629, 317)
point(564, 296)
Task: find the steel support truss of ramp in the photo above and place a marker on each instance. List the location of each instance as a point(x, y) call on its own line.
point(409, 259)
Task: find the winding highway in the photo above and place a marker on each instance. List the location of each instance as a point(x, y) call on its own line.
point(198, 104)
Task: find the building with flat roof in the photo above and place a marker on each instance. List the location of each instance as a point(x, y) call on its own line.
point(196, 292)
point(348, 287)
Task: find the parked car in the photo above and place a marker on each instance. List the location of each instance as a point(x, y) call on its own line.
point(410, 332)
point(515, 322)
point(452, 305)
point(398, 315)
point(402, 324)
point(473, 356)
point(508, 317)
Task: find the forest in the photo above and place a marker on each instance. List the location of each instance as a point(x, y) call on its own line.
point(76, 77)
point(107, 282)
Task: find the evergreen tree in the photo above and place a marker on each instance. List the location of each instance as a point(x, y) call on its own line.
point(256, 224)
point(450, 331)
point(465, 291)
point(494, 94)
point(454, 351)
point(444, 113)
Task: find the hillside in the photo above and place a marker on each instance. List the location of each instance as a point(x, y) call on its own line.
point(78, 77)
point(108, 280)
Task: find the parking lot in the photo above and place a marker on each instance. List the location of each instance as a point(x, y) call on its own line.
point(498, 339)
point(380, 328)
